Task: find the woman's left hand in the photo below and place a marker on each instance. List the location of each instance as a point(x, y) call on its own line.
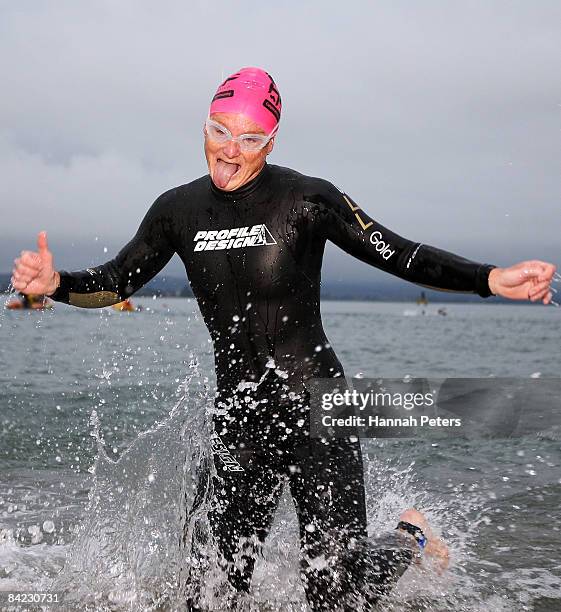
point(527, 280)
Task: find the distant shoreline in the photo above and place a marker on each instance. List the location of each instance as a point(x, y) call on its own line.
point(393, 290)
point(434, 302)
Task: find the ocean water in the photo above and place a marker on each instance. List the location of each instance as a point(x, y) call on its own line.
point(103, 422)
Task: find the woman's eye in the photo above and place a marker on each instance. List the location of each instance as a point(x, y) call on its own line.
point(216, 132)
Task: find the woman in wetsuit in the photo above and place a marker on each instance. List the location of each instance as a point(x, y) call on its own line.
point(251, 237)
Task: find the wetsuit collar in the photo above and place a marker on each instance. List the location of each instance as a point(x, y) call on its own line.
point(254, 186)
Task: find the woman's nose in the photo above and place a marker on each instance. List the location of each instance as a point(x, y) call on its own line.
point(231, 149)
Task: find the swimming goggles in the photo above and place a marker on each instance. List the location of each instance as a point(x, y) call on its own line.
point(247, 142)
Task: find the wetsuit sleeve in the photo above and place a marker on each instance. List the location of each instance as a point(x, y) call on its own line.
point(138, 262)
point(347, 225)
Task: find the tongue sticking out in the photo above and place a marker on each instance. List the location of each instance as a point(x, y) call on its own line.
point(223, 172)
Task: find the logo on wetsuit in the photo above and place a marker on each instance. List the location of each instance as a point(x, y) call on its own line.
point(384, 248)
point(234, 238)
point(218, 447)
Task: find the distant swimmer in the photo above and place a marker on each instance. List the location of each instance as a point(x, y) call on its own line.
point(252, 236)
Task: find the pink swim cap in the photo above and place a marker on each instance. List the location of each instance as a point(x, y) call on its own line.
point(251, 92)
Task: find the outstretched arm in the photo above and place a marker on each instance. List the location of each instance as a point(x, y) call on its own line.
point(349, 227)
point(139, 261)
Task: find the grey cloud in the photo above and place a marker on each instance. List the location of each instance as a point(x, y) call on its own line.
point(441, 118)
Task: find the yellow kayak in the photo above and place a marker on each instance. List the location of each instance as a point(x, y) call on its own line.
point(29, 302)
point(124, 306)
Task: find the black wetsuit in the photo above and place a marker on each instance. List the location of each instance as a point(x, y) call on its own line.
point(253, 258)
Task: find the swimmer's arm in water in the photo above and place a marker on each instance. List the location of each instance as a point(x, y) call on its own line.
point(139, 261)
point(349, 227)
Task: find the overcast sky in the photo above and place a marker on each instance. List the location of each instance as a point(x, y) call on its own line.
point(442, 119)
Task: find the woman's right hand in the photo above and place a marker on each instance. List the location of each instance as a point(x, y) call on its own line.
point(33, 272)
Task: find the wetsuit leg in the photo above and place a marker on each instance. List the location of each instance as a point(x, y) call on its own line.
point(242, 504)
point(340, 568)
point(242, 512)
point(196, 537)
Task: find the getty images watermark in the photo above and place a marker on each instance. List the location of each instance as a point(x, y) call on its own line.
point(419, 407)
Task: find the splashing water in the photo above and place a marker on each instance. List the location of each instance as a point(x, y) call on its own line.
point(126, 554)
point(556, 279)
point(145, 541)
point(7, 294)
point(135, 549)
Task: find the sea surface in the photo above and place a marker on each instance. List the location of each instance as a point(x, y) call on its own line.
point(103, 422)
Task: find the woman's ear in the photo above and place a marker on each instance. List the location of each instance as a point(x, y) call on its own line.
point(271, 145)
